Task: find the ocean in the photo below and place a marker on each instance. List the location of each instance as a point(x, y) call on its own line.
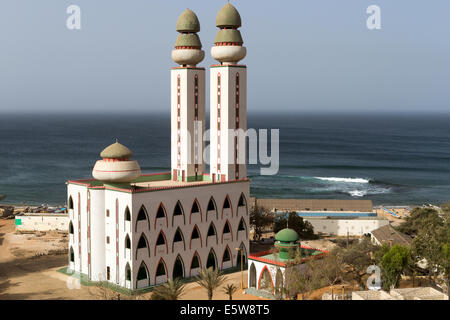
point(389, 159)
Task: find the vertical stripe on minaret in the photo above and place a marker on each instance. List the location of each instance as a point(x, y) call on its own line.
point(228, 113)
point(188, 123)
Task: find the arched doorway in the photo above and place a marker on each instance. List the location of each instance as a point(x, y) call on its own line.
point(279, 281)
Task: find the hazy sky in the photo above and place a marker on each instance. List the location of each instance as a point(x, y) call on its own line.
point(302, 54)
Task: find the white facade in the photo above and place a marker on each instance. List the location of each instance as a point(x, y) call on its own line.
point(228, 112)
point(342, 227)
point(102, 253)
point(187, 122)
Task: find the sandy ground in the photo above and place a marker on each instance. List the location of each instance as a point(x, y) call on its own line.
point(29, 264)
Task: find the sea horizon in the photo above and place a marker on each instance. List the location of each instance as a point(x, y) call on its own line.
point(389, 158)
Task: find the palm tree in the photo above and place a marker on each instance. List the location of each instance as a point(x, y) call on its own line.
point(210, 279)
point(172, 290)
point(230, 289)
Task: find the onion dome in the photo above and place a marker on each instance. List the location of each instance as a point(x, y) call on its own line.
point(286, 241)
point(187, 51)
point(228, 47)
point(228, 17)
point(188, 22)
point(116, 165)
point(116, 151)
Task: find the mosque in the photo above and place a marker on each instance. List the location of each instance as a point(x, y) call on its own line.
point(136, 230)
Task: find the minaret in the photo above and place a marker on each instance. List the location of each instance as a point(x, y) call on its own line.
point(228, 109)
point(187, 102)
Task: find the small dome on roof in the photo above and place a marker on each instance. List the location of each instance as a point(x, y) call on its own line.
point(116, 151)
point(228, 17)
point(287, 235)
point(188, 22)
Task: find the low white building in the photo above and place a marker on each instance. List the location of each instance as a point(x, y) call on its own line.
point(341, 226)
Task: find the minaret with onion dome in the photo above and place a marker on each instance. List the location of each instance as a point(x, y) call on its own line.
point(116, 166)
point(187, 102)
point(228, 99)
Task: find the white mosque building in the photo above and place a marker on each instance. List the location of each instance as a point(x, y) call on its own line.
point(136, 230)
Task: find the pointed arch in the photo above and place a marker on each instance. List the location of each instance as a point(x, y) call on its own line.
point(265, 276)
point(161, 213)
point(142, 243)
point(178, 268)
point(161, 240)
point(127, 242)
point(278, 281)
point(177, 211)
point(70, 203)
point(143, 274)
point(127, 214)
point(127, 272)
point(227, 229)
point(196, 262)
point(70, 227)
point(195, 209)
point(161, 269)
point(252, 276)
point(212, 231)
point(72, 255)
point(242, 227)
point(211, 207)
point(195, 234)
point(178, 236)
point(212, 259)
point(142, 215)
point(226, 256)
point(227, 205)
point(244, 254)
point(242, 203)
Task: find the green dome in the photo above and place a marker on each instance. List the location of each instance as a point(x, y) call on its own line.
point(188, 40)
point(228, 17)
point(287, 235)
point(116, 151)
point(188, 22)
point(228, 35)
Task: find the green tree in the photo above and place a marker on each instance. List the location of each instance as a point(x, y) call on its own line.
point(393, 263)
point(416, 220)
point(172, 290)
point(260, 219)
point(304, 229)
point(210, 279)
point(358, 257)
point(229, 290)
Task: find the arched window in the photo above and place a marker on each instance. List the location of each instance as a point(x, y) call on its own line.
point(265, 280)
point(127, 242)
point(242, 254)
point(195, 235)
point(178, 237)
point(70, 227)
point(242, 201)
point(227, 230)
point(195, 261)
point(142, 216)
point(161, 213)
point(160, 240)
point(178, 211)
point(70, 203)
point(211, 261)
point(195, 210)
point(178, 268)
point(72, 255)
point(211, 204)
point(226, 203)
point(211, 232)
point(127, 272)
point(161, 269)
point(142, 243)
point(226, 255)
point(142, 272)
point(241, 225)
point(252, 276)
point(127, 214)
